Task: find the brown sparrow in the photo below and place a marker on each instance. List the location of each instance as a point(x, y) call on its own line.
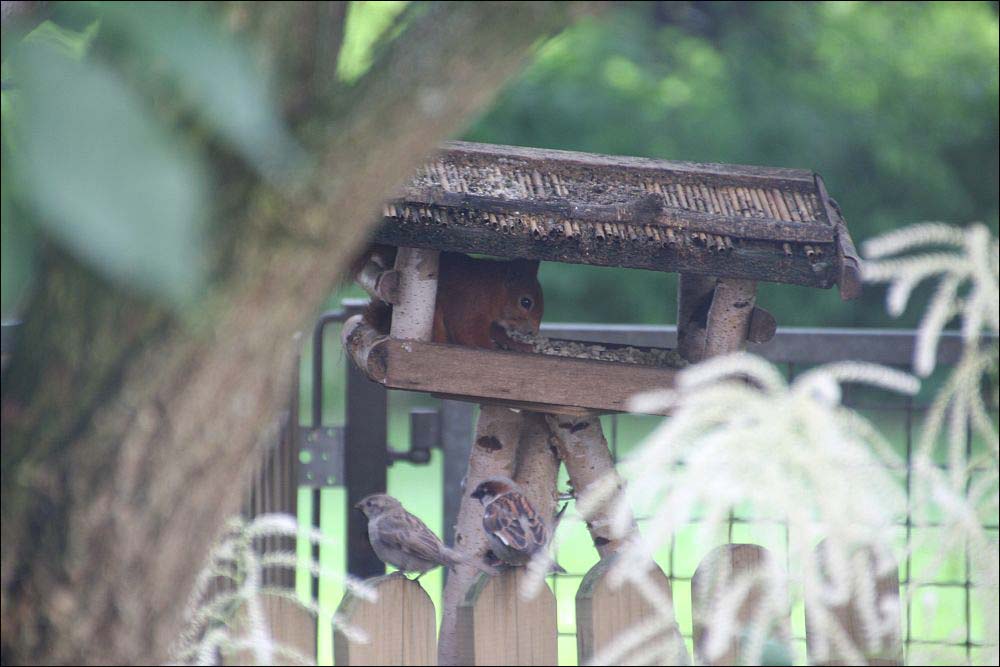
point(404, 541)
point(516, 532)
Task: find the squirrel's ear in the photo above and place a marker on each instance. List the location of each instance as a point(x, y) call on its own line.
point(519, 270)
point(527, 266)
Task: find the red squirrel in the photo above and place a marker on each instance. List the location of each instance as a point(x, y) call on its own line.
point(478, 302)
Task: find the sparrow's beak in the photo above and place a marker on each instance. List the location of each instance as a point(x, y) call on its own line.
point(357, 505)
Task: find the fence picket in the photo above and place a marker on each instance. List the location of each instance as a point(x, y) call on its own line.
point(760, 612)
point(497, 626)
point(605, 613)
point(292, 628)
point(873, 589)
point(399, 625)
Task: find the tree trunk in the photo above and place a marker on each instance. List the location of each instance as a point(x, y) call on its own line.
point(128, 432)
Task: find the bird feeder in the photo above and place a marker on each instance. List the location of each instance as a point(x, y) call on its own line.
point(722, 227)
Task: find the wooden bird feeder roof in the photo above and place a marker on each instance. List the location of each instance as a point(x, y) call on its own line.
point(757, 223)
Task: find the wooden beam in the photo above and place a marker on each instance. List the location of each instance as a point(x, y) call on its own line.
point(488, 375)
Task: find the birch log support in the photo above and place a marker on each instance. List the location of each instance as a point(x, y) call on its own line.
point(694, 299)
point(413, 314)
point(584, 450)
point(378, 277)
point(537, 469)
point(494, 452)
point(360, 339)
point(729, 316)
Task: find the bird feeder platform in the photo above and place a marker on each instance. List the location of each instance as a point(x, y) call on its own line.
point(711, 223)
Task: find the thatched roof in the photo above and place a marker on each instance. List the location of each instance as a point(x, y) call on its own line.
point(762, 223)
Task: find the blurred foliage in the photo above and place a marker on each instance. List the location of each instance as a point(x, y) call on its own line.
point(895, 104)
point(101, 157)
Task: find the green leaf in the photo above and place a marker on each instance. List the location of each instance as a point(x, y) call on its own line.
point(106, 182)
point(215, 73)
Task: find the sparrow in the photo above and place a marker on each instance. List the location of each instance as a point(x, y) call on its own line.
point(404, 541)
point(515, 530)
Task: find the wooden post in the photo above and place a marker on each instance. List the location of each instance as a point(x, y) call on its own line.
point(584, 449)
point(606, 614)
point(399, 625)
point(493, 453)
point(731, 589)
point(497, 626)
point(413, 314)
point(865, 627)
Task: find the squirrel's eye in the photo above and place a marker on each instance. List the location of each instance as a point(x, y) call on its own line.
point(526, 303)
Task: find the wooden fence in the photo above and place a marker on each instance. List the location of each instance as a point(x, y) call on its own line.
point(498, 626)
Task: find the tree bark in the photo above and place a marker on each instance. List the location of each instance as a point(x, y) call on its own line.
point(128, 431)
point(494, 453)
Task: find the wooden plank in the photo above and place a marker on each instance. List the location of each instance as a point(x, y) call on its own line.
point(400, 625)
point(512, 376)
point(497, 626)
point(292, 628)
point(879, 643)
point(604, 614)
point(718, 574)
